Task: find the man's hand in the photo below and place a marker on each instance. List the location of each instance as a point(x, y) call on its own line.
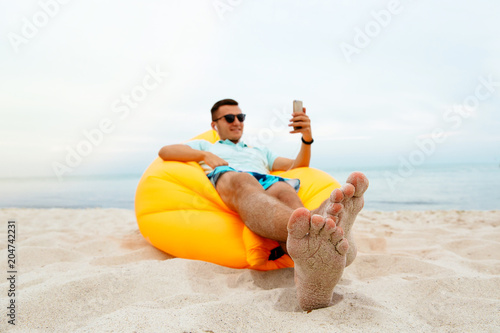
point(302, 120)
point(213, 160)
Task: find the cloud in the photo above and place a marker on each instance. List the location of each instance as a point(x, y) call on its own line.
point(264, 54)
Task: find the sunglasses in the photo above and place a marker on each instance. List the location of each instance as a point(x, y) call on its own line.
point(230, 117)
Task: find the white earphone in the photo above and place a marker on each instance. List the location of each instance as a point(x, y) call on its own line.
point(215, 126)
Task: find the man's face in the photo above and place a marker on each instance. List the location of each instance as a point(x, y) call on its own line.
point(232, 131)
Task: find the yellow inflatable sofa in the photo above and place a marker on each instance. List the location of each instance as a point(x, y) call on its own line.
point(179, 212)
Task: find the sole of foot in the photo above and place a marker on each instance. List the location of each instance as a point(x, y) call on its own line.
point(345, 204)
point(318, 248)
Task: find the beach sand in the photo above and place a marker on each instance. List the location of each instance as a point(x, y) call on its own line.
point(90, 270)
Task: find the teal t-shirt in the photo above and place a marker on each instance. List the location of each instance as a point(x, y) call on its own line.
point(239, 156)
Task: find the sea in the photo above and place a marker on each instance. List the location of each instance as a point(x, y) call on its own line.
point(434, 187)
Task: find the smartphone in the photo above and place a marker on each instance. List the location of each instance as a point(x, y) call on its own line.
point(297, 107)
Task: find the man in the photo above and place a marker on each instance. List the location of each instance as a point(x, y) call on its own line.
point(320, 242)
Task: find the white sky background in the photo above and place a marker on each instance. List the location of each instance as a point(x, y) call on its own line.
point(64, 80)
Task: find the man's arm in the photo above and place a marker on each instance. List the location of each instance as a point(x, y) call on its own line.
point(302, 160)
point(184, 153)
point(304, 156)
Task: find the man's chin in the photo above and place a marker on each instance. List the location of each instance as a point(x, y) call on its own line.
point(235, 138)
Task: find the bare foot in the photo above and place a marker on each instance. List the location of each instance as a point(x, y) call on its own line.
point(345, 203)
point(318, 248)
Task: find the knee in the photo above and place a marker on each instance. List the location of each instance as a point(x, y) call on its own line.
point(281, 190)
point(236, 181)
point(277, 187)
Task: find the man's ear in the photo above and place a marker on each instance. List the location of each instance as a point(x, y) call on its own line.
point(214, 126)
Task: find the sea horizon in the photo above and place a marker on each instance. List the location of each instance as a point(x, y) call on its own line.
point(464, 186)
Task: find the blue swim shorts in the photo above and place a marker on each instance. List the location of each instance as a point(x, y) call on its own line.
point(265, 180)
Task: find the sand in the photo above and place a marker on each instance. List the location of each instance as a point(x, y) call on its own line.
point(90, 270)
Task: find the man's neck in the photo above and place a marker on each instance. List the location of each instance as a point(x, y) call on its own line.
point(233, 141)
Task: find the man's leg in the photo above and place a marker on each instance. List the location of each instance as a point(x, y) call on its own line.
point(267, 212)
point(263, 212)
point(317, 241)
point(285, 193)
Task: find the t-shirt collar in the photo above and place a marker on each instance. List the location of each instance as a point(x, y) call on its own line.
point(228, 142)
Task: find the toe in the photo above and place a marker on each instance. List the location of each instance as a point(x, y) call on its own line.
point(298, 225)
point(348, 190)
point(334, 210)
point(337, 238)
point(317, 224)
point(342, 246)
point(337, 195)
point(337, 235)
point(330, 226)
point(359, 181)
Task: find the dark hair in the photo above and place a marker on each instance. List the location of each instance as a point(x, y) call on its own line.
point(220, 103)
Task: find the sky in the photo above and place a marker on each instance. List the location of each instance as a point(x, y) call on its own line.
point(98, 87)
